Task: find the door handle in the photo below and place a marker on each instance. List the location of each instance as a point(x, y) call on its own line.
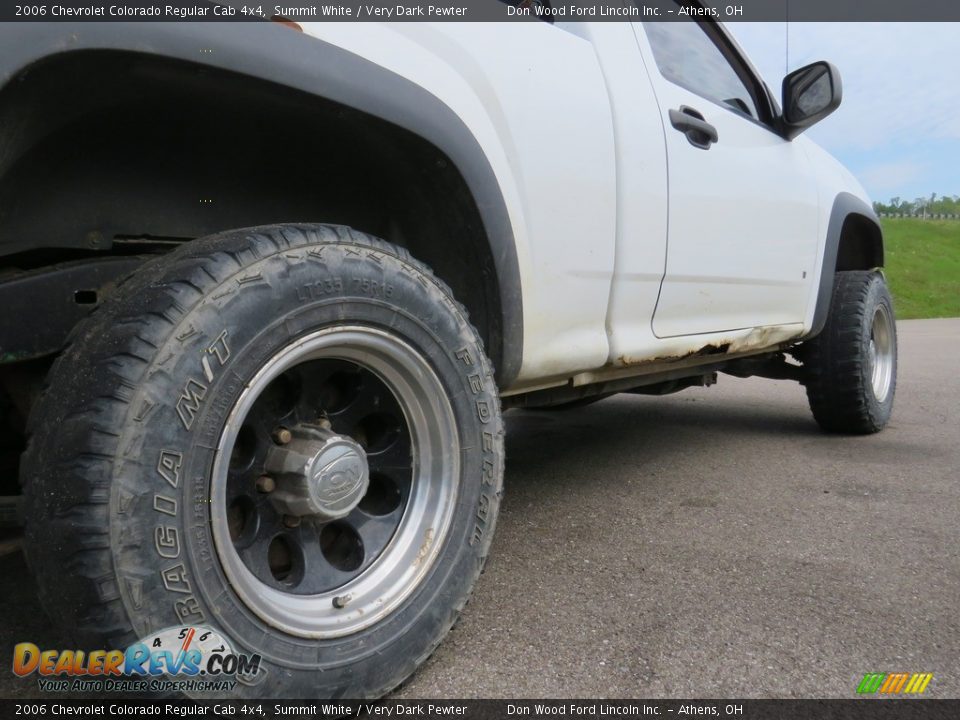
point(690, 122)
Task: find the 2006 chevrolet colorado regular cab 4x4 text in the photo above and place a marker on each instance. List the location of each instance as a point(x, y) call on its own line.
point(265, 293)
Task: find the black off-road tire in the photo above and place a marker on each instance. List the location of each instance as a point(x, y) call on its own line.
point(838, 364)
point(116, 473)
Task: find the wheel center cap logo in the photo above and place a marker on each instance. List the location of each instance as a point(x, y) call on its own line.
point(340, 481)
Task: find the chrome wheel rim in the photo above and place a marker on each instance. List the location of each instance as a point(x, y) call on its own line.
point(881, 353)
point(364, 403)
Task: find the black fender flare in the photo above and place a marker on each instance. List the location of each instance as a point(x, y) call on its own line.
point(844, 206)
point(271, 52)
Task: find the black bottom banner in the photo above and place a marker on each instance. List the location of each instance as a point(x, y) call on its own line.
point(488, 709)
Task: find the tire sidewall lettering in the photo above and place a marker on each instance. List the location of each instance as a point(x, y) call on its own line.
point(221, 355)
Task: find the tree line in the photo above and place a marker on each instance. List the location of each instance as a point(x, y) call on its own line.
point(921, 206)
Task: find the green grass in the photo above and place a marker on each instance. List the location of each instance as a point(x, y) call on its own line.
point(923, 266)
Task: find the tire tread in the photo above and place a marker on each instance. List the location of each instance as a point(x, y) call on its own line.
point(67, 538)
point(835, 362)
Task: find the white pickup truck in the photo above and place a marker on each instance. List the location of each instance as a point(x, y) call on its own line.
point(266, 291)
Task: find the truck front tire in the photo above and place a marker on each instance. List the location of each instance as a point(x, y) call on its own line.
point(851, 366)
point(290, 434)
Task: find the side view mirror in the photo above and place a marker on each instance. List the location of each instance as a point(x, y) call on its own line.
point(809, 95)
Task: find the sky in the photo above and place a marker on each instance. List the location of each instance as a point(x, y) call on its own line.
point(898, 127)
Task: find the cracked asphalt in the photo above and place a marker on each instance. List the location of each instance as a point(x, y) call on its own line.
point(712, 543)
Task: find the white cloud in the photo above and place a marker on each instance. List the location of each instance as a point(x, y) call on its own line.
point(883, 179)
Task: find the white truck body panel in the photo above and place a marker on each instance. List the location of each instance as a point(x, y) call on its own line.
point(832, 179)
point(742, 241)
point(622, 262)
point(535, 98)
point(641, 200)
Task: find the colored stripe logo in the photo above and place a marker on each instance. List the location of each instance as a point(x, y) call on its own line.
point(894, 683)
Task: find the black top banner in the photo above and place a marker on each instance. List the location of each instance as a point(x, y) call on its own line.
point(481, 10)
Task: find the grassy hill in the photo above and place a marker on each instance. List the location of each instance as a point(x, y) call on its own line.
point(923, 266)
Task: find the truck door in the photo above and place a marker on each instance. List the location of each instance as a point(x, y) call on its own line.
point(742, 201)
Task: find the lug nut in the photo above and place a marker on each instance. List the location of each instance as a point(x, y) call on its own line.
point(291, 521)
point(266, 484)
point(282, 436)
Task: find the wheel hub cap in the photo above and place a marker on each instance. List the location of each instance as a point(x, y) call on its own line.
point(881, 353)
point(319, 474)
point(335, 482)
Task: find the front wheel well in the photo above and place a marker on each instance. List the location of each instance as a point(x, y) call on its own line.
point(861, 244)
point(854, 241)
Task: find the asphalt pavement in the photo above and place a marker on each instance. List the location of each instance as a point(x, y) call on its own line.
point(712, 543)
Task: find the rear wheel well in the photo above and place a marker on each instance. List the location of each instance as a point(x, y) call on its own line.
point(106, 152)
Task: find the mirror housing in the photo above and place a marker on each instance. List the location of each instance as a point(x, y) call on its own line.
point(809, 95)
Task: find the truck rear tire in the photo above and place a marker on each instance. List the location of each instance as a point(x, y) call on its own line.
point(288, 434)
point(851, 366)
